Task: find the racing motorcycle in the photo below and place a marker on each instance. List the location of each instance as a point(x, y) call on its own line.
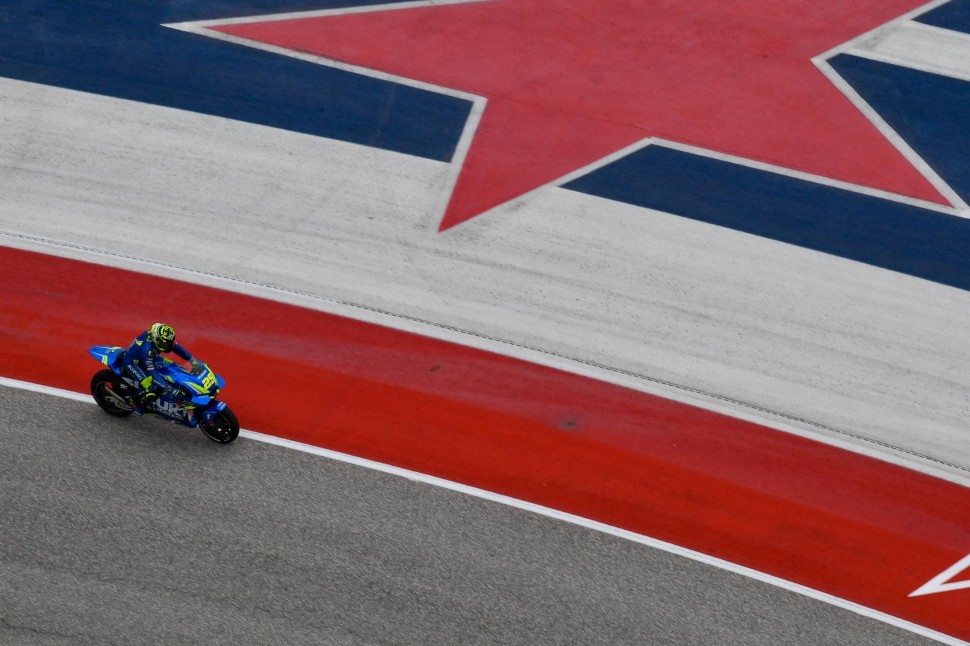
point(191, 400)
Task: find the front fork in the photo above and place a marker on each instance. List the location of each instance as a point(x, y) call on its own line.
point(208, 414)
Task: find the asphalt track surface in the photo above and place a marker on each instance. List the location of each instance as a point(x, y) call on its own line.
point(135, 531)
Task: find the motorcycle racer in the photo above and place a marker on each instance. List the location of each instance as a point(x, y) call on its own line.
point(139, 362)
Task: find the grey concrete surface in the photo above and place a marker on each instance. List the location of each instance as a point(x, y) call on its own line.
point(136, 531)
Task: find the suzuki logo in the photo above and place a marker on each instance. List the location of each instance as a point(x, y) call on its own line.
point(170, 408)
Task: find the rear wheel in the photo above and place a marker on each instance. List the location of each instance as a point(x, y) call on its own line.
point(223, 428)
point(107, 389)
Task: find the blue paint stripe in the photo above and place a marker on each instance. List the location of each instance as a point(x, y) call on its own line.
point(954, 15)
point(886, 234)
point(930, 112)
point(120, 49)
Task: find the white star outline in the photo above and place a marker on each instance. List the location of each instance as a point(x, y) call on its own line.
point(958, 207)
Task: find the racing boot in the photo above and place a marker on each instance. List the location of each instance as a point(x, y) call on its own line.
point(146, 403)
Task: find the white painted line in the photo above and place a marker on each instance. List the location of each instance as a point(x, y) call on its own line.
point(555, 514)
point(942, 582)
point(921, 47)
point(202, 28)
point(318, 13)
point(46, 390)
point(904, 148)
point(195, 28)
point(436, 215)
point(762, 166)
point(886, 27)
point(478, 102)
point(898, 142)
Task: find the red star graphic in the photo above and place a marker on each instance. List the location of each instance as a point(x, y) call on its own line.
point(569, 82)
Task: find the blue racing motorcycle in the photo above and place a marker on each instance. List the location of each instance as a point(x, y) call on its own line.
point(191, 401)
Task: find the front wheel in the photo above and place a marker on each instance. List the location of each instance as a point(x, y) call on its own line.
point(107, 391)
point(223, 428)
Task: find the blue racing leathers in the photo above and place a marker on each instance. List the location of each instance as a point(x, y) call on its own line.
point(140, 362)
